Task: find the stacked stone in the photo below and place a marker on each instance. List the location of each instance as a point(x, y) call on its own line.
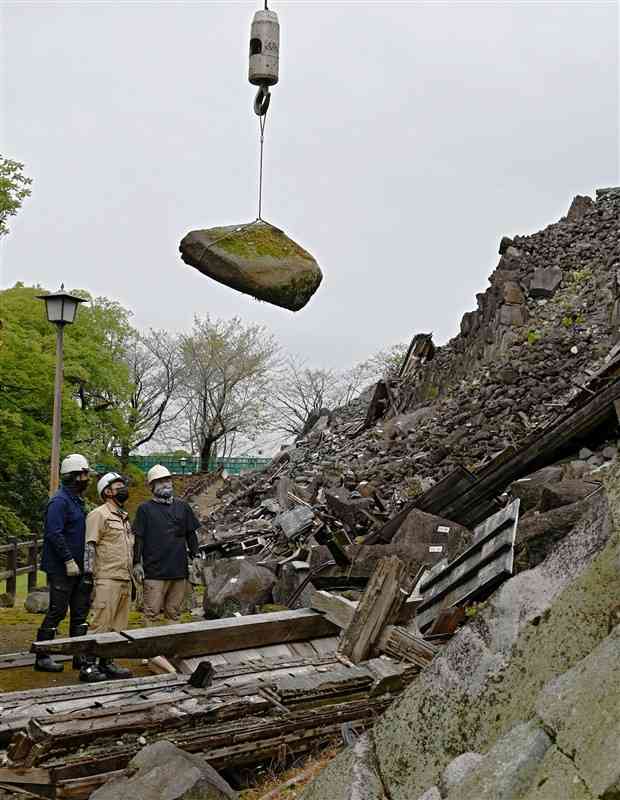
point(547, 320)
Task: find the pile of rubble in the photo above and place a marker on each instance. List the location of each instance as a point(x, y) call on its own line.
point(545, 326)
point(411, 537)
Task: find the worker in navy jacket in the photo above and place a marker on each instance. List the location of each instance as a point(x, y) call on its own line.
point(63, 561)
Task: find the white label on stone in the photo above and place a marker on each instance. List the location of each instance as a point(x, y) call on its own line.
point(435, 548)
point(234, 580)
point(443, 529)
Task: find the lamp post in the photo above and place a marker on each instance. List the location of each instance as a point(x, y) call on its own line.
point(61, 308)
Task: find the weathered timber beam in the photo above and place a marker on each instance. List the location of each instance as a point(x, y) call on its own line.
point(232, 743)
point(198, 638)
point(19, 775)
point(64, 733)
point(404, 645)
point(464, 498)
point(543, 447)
point(339, 610)
point(378, 607)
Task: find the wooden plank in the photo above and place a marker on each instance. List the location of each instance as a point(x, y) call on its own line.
point(322, 686)
point(277, 651)
point(433, 501)
point(198, 638)
point(448, 621)
point(336, 609)
point(326, 646)
point(82, 788)
point(404, 645)
point(229, 743)
point(18, 660)
point(32, 775)
point(30, 790)
point(53, 693)
point(340, 610)
point(542, 448)
point(481, 584)
point(303, 649)
point(63, 732)
point(389, 675)
point(378, 607)
point(488, 561)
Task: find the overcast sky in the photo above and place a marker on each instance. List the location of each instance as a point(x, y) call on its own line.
point(403, 140)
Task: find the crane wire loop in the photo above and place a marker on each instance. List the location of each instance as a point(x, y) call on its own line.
point(262, 100)
point(262, 121)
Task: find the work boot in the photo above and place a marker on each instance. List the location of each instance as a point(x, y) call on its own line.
point(78, 630)
point(112, 670)
point(43, 661)
point(90, 672)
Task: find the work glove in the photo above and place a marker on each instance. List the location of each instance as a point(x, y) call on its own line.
point(195, 571)
point(138, 573)
point(72, 568)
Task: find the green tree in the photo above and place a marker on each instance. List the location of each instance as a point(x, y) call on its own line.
point(96, 381)
point(14, 188)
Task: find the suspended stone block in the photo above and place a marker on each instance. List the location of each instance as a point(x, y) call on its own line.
point(256, 259)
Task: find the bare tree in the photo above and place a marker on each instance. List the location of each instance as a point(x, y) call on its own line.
point(155, 365)
point(300, 394)
point(385, 363)
point(227, 368)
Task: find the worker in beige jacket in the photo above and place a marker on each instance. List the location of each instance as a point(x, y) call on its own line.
point(109, 559)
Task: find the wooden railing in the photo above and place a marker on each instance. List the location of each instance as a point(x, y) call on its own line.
point(14, 565)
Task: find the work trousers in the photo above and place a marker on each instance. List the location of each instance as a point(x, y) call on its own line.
point(110, 606)
point(166, 596)
point(67, 594)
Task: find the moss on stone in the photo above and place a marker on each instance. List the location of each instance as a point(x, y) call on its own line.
point(259, 240)
point(295, 295)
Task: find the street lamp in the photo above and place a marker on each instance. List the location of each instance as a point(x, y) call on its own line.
point(61, 308)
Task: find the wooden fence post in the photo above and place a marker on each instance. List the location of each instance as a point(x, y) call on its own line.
point(33, 561)
point(11, 565)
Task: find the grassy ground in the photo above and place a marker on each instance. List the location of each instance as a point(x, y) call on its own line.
point(22, 584)
point(18, 629)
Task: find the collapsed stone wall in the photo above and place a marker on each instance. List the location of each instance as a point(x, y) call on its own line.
point(549, 316)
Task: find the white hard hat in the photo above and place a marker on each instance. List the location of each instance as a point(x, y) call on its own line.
point(157, 472)
point(73, 463)
point(107, 479)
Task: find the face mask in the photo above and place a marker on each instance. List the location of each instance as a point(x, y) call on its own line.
point(81, 485)
point(121, 495)
point(163, 489)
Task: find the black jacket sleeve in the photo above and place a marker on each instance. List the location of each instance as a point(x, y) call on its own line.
point(138, 531)
point(191, 526)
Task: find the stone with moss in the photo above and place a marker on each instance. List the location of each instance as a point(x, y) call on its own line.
point(257, 259)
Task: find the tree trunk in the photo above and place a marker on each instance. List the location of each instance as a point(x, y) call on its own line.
point(206, 453)
point(124, 456)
